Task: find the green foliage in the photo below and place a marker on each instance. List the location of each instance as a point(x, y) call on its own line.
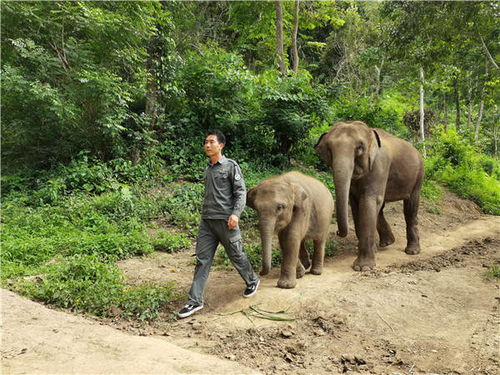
point(375, 114)
point(72, 77)
point(87, 283)
point(460, 166)
point(431, 191)
point(32, 236)
point(493, 272)
point(182, 206)
point(291, 106)
point(170, 242)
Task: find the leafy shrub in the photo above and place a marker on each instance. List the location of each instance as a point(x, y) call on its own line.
point(182, 207)
point(145, 302)
point(375, 114)
point(431, 191)
point(460, 166)
point(33, 235)
point(170, 243)
point(87, 283)
point(290, 107)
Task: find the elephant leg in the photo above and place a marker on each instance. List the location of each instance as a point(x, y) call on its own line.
point(304, 262)
point(355, 214)
point(290, 247)
point(411, 210)
point(300, 270)
point(384, 230)
point(368, 209)
point(318, 256)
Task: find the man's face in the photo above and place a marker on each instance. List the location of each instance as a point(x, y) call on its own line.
point(212, 146)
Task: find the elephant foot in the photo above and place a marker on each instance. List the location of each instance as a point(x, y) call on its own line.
point(363, 264)
point(300, 272)
point(412, 249)
point(286, 283)
point(386, 241)
point(316, 271)
point(263, 272)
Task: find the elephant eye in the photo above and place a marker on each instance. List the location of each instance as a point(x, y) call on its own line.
point(360, 149)
point(280, 207)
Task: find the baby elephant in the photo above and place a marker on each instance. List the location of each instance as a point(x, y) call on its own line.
point(298, 208)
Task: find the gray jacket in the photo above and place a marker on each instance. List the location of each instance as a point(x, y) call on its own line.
point(225, 191)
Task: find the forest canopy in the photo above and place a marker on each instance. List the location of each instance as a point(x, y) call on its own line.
point(121, 79)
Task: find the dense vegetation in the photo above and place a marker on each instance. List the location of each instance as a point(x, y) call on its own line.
point(105, 104)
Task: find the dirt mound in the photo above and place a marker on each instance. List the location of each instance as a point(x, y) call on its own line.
point(476, 251)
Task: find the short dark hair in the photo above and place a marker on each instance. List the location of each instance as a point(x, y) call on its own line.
point(221, 138)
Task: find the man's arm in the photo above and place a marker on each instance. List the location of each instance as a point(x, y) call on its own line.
point(239, 192)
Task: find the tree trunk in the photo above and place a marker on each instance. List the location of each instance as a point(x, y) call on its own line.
point(422, 112)
point(495, 138)
point(446, 119)
point(279, 36)
point(457, 105)
point(479, 118)
point(378, 70)
point(469, 104)
point(488, 54)
point(295, 52)
point(481, 106)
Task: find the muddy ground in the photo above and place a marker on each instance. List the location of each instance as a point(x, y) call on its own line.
point(430, 313)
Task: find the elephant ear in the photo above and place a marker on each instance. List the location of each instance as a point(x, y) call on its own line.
point(322, 149)
point(374, 148)
point(299, 196)
point(251, 197)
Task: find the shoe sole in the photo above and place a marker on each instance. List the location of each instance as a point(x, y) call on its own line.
point(255, 291)
point(189, 313)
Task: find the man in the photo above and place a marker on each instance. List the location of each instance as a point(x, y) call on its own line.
point(225, 198)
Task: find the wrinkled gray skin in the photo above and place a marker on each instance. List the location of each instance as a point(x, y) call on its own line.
point(371, 167)
point(296, 207)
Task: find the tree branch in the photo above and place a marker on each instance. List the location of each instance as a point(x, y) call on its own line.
point(488, 52)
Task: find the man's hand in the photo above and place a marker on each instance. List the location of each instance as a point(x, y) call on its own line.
point(232, 222)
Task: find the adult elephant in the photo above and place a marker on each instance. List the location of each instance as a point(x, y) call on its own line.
point(296, 207)
point(371, 167)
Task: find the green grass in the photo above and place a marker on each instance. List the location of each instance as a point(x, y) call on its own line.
point(493, 272)
point(65, 253)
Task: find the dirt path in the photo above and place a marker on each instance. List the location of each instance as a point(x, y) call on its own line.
point(430, 313)
point(37, 340)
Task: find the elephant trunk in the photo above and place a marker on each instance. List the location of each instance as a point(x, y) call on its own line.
point(342, 174)
point(266, 235)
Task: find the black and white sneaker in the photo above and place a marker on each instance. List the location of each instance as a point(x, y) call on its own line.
point(251, 289)
point(188, 310)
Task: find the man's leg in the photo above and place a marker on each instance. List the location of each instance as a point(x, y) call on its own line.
point(206, 244)
point(231, 240)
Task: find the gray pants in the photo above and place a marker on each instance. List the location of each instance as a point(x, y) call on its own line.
point(212, 232)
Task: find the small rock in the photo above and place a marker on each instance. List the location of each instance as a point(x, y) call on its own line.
point(285, 333)
point(196, 326)
point(231, 357)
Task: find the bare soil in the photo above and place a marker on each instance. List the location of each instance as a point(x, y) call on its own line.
point(434, 312)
